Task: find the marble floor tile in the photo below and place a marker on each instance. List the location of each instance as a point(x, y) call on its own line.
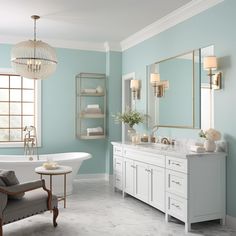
point(96, 210)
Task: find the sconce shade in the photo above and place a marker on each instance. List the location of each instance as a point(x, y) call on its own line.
point(165, 83)
point(134, 84)
point(210, 62)
point(155, 78)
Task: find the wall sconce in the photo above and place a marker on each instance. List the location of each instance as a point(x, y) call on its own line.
point(135, 86)
point(158, 85)
point(210, 64)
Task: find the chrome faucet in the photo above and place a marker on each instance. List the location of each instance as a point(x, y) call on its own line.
point(30, 143)
point(165, 141)
point(154, 129)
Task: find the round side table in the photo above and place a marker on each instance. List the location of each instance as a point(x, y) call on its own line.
point(61, 170)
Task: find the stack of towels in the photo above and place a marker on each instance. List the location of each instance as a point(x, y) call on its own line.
point(95, 131)
point(89, 90)
point(198, 148)
point(92, 109)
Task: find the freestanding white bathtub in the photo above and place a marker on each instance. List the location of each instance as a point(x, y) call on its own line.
point(24, 168)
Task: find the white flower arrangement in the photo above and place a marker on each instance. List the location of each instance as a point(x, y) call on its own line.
point(210, 134)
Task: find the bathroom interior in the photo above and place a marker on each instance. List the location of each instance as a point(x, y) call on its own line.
point(126, 125)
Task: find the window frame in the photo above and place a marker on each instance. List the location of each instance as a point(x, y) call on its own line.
point(37, 112)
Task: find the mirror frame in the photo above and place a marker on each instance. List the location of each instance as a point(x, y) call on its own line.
point(193, 52)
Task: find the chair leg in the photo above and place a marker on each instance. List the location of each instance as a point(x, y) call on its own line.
point(55, 215)
point(1, 234)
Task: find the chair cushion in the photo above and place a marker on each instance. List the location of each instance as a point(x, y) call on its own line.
point(32, 203)
point(9, 178)
point(2, 184)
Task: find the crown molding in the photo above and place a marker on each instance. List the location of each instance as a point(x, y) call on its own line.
point(88, 46)
point(179, 15)
point(112, 46)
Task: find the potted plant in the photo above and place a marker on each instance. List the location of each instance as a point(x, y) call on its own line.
point(131, 118)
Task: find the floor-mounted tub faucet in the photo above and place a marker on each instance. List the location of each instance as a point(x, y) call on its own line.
point(30, 143)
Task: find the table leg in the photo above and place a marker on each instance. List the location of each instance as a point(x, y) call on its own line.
point(64, 190)
point(51, 183)
point(41, 176)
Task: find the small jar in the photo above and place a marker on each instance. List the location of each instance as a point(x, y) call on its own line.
point(144, 138)
point(153, 139)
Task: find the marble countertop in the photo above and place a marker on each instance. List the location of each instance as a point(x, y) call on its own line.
point(163, 149)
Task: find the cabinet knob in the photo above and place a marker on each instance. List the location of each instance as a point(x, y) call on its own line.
point(176, 182)
point(175, 205)
point(176, 164)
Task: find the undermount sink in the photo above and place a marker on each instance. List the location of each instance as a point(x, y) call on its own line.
point(154, 145)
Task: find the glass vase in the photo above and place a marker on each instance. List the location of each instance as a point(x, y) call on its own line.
point(131, 132)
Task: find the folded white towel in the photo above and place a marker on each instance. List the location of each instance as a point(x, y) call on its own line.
point(93, 110)
point(197, 149)
point(94, 130)
point(89, 90)
point(93, 106)
point(199, 144)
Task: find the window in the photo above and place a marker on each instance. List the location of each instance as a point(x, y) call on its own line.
point(19, 107)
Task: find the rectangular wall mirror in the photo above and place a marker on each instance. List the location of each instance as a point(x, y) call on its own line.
point(177, 108)
point(185, 100)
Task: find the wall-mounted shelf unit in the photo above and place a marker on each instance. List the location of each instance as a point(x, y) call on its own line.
point(91, 106)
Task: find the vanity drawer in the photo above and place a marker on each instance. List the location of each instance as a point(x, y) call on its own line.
point(117, 150)
point(178, 164)
point(146, 157)
point(118, 164)
point(176, 183)
point(176, 206)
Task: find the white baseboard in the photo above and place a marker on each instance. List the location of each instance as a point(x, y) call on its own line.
point(104, 176)
point(231, 222)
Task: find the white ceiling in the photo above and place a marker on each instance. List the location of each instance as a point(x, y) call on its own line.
point(93, 21)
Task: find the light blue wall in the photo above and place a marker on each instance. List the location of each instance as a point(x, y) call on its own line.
point(58, 107)
point(177, 71)
point(215, 26)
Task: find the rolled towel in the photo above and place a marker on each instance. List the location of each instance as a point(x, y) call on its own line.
point(93, 106)
point(197, 149)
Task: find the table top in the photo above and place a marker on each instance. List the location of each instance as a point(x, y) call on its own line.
point(59, 171)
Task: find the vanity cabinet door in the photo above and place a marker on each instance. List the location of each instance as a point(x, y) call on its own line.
point(118, 172)
point(129, 176)
point(157, 187)
point(141, 181)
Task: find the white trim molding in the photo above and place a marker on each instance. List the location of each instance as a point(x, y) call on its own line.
point(70, 44)
point(112, 46)
point(179, 15)
point(125, 77)
point(231, 222)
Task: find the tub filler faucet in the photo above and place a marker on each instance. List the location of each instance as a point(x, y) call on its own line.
point(30, 143)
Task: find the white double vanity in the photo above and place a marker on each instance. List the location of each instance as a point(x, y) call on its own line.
point(188, 186)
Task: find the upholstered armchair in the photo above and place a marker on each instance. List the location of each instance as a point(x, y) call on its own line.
point(24, 200)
